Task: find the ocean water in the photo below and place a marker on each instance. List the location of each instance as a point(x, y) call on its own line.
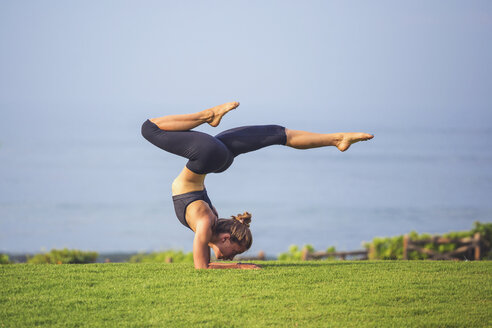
point(107, 191)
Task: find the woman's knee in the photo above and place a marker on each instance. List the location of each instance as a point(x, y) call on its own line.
point(288, 136)
point(148, 129)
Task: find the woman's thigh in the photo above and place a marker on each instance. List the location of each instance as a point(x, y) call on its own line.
point(205, 153)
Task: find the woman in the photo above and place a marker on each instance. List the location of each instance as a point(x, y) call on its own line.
point(207, 154)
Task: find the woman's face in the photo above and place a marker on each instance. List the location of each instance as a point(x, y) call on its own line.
point(224, 249)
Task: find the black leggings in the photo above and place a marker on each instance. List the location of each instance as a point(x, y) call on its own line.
point(207, 154)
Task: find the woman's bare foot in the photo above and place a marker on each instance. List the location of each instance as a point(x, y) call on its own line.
point(347, 139)
point(217, 112)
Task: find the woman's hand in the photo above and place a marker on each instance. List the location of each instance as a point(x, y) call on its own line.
point(243, 266)
point(248, 266)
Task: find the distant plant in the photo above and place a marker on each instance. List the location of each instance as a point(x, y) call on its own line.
point(295, 253)
point(63, 256)
point(485, 231)
point(391, 248)
point(386, 248)
point(4, 259)
point(170, 256)
point(331, 249)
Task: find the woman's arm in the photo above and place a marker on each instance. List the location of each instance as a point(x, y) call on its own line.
point(203, 235)
point(201, 250)
point(201, 219)
point(244, 266)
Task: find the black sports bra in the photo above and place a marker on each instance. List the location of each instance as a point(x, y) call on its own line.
point(182, 201)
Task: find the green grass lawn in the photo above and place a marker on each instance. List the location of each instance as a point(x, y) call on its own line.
point(304, 294)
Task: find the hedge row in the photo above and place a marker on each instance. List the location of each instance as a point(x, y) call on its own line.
point(4, 259)
point(63, 256)
point(170, 256)
point(391, 248)
point(382, 248)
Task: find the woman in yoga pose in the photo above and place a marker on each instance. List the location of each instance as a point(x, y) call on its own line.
point(207, 154)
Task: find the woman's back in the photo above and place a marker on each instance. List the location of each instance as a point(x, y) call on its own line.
point(188, 181)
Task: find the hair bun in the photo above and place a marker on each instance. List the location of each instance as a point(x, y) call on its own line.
point(244, 218)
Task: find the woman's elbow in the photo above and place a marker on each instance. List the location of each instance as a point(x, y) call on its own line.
point(199, 266)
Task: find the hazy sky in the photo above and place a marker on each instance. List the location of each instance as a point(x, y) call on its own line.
point(370, 62)
point(78, 78)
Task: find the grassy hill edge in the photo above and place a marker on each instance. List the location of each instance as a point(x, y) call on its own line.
point(342, 293)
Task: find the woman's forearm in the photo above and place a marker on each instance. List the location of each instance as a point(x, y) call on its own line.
point(215, 265)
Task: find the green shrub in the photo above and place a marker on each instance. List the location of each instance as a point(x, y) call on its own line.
point(4, 259)
point(295, 254)
point(485, 231)
point(391, 248)
point(163, 257)
point(63, 256)
point(331, 249)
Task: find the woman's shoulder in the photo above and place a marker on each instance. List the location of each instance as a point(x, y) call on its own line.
point(199, 213)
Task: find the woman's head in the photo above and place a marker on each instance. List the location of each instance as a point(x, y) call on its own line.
point(232, 236)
